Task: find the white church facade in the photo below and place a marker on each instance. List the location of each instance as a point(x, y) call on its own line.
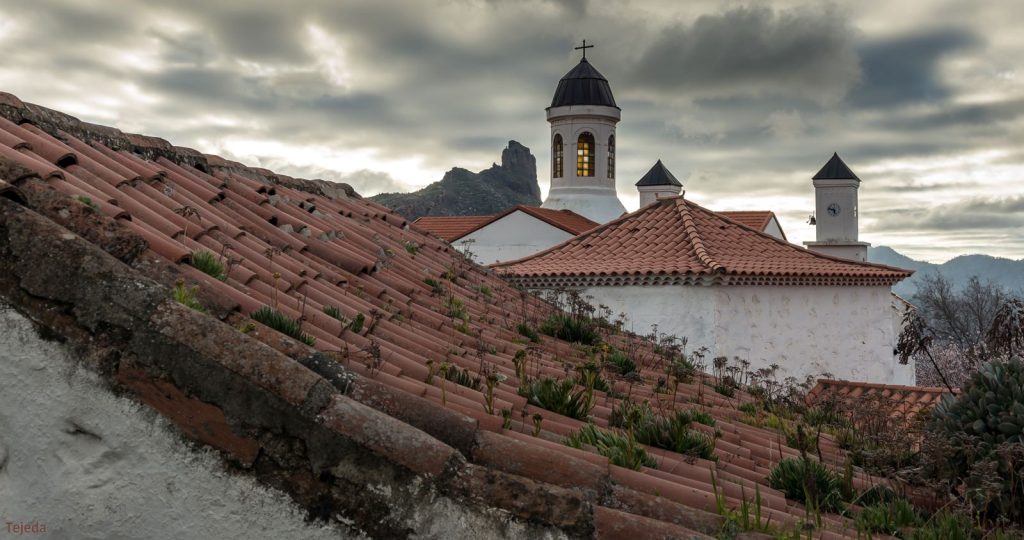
point(740, 293)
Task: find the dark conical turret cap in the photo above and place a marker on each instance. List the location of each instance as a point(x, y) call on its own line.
point(583, 85)
point(835, 169)
point(659, 175)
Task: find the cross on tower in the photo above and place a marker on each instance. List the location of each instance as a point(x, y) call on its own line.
point(584, 47)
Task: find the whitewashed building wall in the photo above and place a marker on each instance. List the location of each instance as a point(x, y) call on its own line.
point(512, 237)
point(847, 331)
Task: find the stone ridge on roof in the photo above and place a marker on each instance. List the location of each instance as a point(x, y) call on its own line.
point(126, 219)
point(675, 237)
point(451, 228)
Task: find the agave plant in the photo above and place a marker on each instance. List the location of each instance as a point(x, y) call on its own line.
point(986, 426)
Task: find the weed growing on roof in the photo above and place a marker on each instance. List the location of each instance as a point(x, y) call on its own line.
point(558, 396)
point(621, 450)
point(491, 381)
point(484, 290)
point(748, 517)
point(671, 433)
point(807, 481)
point(887, 517)
point(617, 362)
point(207, 263)
point(335, 313)
point(506, 419)
point(462, 377)
point(537, 419)
point(187, 297)
point(569, 328)
point(412, 248)
point(435, 286)
point(456, 308)
point(356, 325)
point(528, 332)
point(87, 201)
point(247, 327)
point(282, 323)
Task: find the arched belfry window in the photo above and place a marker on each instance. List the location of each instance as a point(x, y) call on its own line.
point(611, 156)
point(585, 155)
point(558, 159)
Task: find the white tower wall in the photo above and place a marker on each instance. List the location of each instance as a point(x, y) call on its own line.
point(591, 196)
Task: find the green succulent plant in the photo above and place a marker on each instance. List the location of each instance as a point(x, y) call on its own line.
point(807, 481)
point(985, 425)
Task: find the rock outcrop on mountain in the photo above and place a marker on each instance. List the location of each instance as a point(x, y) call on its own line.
point(465, 193)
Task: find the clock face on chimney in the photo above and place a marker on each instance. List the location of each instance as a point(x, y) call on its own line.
point(833, 209)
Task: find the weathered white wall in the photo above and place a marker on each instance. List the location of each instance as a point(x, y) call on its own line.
point(845, 331)
point(591, 196)
point(774, 229)
point(512, 237)
point(87, 464)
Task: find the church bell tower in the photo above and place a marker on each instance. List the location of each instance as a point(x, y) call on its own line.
point(583, 116)
point(835, 202)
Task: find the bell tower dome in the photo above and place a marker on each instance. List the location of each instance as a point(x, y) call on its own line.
point(583, 116)
point(836, 212)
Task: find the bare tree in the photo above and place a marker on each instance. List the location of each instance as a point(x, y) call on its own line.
point(959, 317)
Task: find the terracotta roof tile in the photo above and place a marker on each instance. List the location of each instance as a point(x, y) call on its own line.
point(349, 254)
point(903, 402)
point(452, 228)
point(675, 240)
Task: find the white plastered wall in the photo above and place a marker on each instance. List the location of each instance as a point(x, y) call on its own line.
point(512, 237)
point(845, 331)
point(85, 463)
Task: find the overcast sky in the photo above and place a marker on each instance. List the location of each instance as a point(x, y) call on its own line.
point(743, 101)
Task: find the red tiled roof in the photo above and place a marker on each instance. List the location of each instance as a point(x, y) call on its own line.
point(677, 241)
point(755, 219)
point(902, 401)
point(289, 246)
point(452, 228)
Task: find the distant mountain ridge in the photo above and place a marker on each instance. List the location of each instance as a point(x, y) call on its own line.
point(1007, 273)
point(465, 193)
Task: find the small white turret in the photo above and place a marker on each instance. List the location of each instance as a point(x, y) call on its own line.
point(835, 197)
point(658, 183)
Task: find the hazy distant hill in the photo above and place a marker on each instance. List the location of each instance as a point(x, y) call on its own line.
point(1005, 272)
point(464, 193)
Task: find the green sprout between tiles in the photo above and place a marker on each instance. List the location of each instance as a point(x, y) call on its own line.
point(207, 263)
point(187, 297)
point(282, 323)
point(87, 201)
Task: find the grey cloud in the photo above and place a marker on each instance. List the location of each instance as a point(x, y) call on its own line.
point(904, 69)
point(972, 214)
point(754, 51)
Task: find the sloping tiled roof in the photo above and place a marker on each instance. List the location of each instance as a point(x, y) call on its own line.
point(122, 216)
point(677, 241)
point(755, 219)
point(452, 228)
point(902, 401)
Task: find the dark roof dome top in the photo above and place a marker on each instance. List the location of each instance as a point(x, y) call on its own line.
point(835, 169)
point(659, 175)
point(583, 85)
